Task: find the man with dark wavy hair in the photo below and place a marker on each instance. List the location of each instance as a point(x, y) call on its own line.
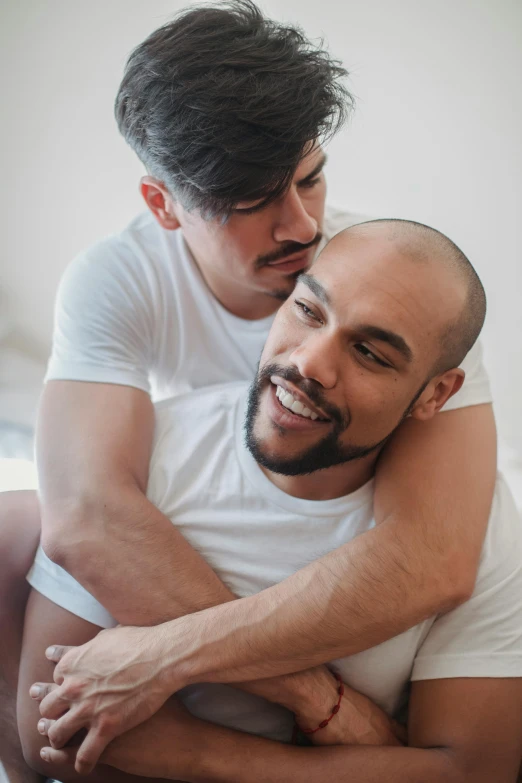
point(229, 112)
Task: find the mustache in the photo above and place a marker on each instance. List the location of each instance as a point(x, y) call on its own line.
point(288, 249)
point(311, 388)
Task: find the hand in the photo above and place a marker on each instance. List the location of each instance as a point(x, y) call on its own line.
point(141, 751)
point(107, 686)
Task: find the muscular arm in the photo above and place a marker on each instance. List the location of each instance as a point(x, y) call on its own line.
point(93, 449)
point(364, 592)
point(461, 731)
point(434, 491)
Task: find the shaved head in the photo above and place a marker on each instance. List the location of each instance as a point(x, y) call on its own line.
point(426, 245)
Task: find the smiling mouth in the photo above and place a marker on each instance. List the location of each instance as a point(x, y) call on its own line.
point(295, 406)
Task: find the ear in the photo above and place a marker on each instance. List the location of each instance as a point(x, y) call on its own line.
point(437, 393)
point(160, 202)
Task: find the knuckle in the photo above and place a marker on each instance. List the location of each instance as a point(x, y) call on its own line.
point(58, 675)
point(73, 690)
point(55, 737)
point(83, 761)
point(108, 726)
point(105, 728)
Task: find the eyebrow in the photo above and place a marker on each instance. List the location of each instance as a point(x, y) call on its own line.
point(386, 336)
point(365, 330)
point(315, 172)
point(316, 288)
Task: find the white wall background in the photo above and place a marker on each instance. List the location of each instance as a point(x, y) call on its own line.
point(437, 137)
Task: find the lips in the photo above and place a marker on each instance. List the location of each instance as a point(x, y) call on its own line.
point(291, 264)
point(298, 395)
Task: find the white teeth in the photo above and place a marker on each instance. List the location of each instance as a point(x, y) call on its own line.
point(294, 405)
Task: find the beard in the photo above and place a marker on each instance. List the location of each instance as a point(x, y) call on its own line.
point(327, 452)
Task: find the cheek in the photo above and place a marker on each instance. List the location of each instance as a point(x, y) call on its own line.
point(246, 238)
point(375, 402)
point(284, 337)
point(314, 201)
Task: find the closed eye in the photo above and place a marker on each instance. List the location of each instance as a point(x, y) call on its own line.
point(310, 183)
point(306, 311)
point(364, 351)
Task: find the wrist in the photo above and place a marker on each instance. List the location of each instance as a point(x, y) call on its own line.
point(312, 696)
point(176, 646)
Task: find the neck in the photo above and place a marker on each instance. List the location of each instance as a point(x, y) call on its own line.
point(327, 484)
point(243, 303)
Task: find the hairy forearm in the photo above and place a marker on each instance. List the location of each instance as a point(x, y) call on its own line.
point(419, 560)
point(353, 598)
point(158, 575)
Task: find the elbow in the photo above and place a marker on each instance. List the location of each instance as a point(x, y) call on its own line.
point(457, 583)
point(69, 534)
point(459, 594)
point(448, 593)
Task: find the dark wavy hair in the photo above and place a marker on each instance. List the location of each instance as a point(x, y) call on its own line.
point(221, 104)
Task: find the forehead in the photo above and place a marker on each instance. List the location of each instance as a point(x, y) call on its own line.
point(369, 279)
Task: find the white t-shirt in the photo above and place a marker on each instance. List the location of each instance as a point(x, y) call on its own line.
point(134, 310)
point(254, 536)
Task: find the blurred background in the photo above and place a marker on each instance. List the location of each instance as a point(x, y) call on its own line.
point(436, 137)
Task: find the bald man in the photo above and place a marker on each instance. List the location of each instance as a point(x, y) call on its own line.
point(262, 482)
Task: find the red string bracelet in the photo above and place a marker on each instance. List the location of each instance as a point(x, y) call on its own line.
point(324, 723)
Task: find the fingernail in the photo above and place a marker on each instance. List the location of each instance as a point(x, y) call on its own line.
point(41, 726)
point(49, 652)
point(44, 753)
point(35, 691)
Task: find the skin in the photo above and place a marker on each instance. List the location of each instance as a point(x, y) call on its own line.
point(350, 369)
point(450, 721)
point(461, 730)
point(282, 227)
point(327, 333)
point(89, 485)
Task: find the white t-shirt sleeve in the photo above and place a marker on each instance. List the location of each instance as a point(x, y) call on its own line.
point(475, 389)
point(483, 637)
point(103, 326)
point(56, 584)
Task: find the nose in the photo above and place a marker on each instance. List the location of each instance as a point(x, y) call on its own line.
point(317, 358)
point(293, 223)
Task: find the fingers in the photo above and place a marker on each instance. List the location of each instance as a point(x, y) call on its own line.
point(83, 758)
point(52, 704)
point(61, 731)
point(56, 652)
point(44, 725)
point(63, 757)
point(90, 750)
point(40, 690)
